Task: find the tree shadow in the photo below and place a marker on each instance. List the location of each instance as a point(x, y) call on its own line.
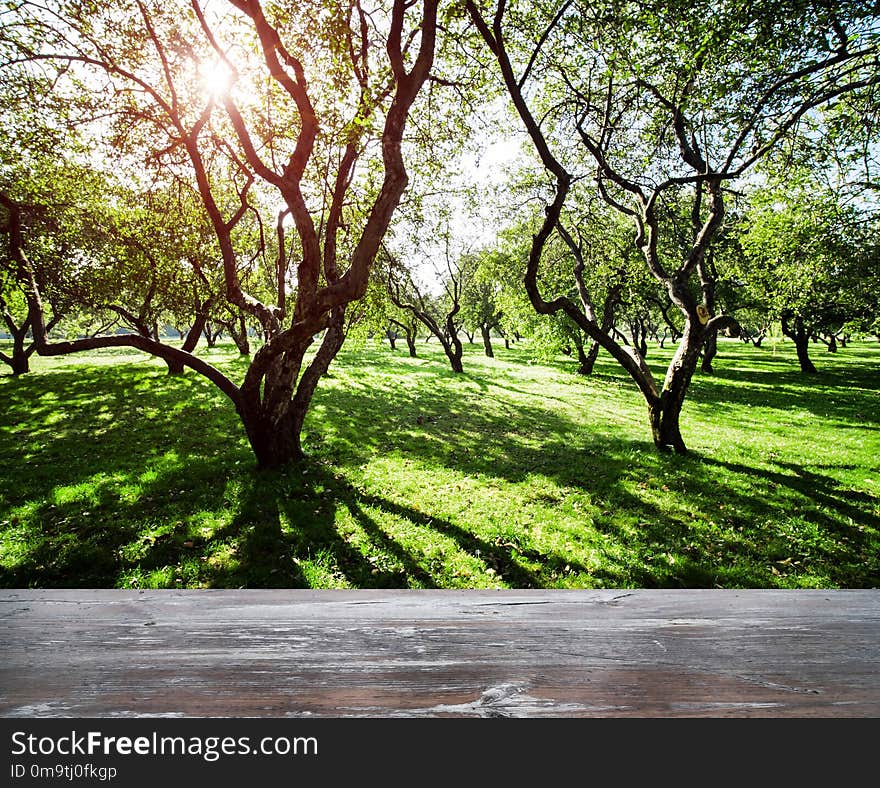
point(116, 492)
point(476, 439)
point(823, 491)
point(841, 391)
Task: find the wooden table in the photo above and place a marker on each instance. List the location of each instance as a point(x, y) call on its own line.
point(279, 653)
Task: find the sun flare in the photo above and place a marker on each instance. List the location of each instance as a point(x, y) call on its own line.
point(216, 78)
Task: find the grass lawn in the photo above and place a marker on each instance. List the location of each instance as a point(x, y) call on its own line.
point(513, 475)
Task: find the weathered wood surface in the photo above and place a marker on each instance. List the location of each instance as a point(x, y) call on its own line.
point(275, 653)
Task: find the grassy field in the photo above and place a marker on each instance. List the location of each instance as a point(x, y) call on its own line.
point(513, 475)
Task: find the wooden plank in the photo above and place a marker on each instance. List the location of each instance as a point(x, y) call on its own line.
point(277, 653)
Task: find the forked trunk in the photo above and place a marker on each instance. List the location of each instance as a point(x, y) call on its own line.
point(664, 414)
point(797, 332)
point(190, 341)
point(590, 360)
point(409, 334)
point(238, 332)
point(451, 343)
point(665, 411)
point(275, 442)
point(586, 358)
point(274, 425)
point(19, 361)
point(454, 353)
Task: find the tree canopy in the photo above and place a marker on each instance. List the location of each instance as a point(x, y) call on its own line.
point(264, 112)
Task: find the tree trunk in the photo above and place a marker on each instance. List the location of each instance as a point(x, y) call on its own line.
point(409, 333)
point(588, 362)
point(19, 362)
point(451, 343)
point(447, 336)
point(454, 351)
point(452, 346)
point(665, 411)
point(586, 359)
point(392, 339)
point(330, 346)
point(710, 346)
point(710, 350)
point(802, 345)
point(639, 333)
point(190, 341)
point(175, 367)
point(240, 336)
point(487, 340)
point(274, 422)
point(583, 360)
point(275, 442)
point(801, 338)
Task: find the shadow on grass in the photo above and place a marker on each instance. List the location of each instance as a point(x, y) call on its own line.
point(117, 504)
point(844, 516)
point(106, 489)
point(843, 388)
point(731, 523)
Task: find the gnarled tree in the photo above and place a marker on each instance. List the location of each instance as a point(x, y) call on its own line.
point(259, 106)
point(437, 312)
point(652, 98)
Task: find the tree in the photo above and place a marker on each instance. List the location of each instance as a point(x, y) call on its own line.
point(51, 207)
point(437, 312)
point(479, 304)
point(158, 247)
point(810, 260)
point(410, 327)
point(306, 109)
point(710, 90)
point(233, 323)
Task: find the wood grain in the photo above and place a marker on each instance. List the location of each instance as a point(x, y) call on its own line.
point(278, 653)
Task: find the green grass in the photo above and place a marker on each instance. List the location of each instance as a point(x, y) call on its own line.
point(513, 475)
